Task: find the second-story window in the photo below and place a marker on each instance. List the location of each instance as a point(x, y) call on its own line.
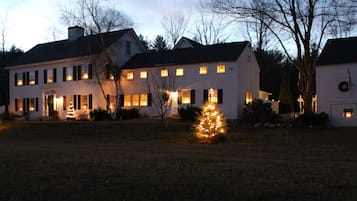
point(143, 74)
point(130, 75)
point(203, 70)
point(86, 72)
point(32, 78)
point(49, 76)
point(221, 69)
point(164, 73)
point(179, 71)
point(19, 79)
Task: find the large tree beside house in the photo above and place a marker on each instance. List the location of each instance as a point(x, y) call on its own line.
point(301, 24)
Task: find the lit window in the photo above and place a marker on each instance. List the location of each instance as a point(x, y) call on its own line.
point(179, 71)
point(32, 78)
point(32, 106)
point(348, 113)
point(143, 74)
point(49, 76)
point(68, 102)
point(20, 79)
point(221, 69)
point(69, 74)
point(213, 95)
point(248, 97)
point(20, 106)
point(130, 75)
point(127, 100)
point(185, 96)
point(84, 102)
point(203, 70)
point(112, 102)
point(143, 100)
point(85, 73)
point(164, 73)
point(135, 100)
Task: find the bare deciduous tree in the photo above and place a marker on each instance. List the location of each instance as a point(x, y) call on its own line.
point(3, 20)
point(210, 30)
point(305, 24)
point(175, 26)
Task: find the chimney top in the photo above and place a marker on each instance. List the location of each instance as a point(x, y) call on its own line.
point(75, 32)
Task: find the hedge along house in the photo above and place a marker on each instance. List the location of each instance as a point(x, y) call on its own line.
point(336, 84)
point(190, 74)
point(62, 74)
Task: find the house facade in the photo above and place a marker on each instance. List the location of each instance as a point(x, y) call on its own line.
point(228, 74)
point(73, 74)
point(52, 77)
point(336, 81)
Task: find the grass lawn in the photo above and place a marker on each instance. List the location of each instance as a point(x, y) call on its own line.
point(141, 160)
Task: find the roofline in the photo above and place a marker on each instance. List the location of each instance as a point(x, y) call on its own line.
point(332, 64)
point(58, 61)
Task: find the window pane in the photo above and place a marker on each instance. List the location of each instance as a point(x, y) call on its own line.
point(203, 70)
point(164, 73)
point(49, 76)
point(136, 100)
point(179, 71)
point(32, 106)
point(143, 74)
point(20, 107)
point(112, 102)
point(69, 74)
point(127, 100)
point(84, 73)
point(143, 100)
point(84, 102)
point(20, 79)
point(348, 113)
point(221, 68)
point(186, 96)
point(248, 97)
point(130, 75)
point(32, 78)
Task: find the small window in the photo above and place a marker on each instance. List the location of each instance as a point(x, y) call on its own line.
point(50, 76)
point(179, 71)
point(135, 100)
point(164, 73)
point(127, 100)
point(143, 74)
point(143, 100)
point(221, 69)
point(213, 95)
point(32, 78)
point(185, 96)
point(84, 102)
point(348, 113)
point(203, 70)
point(69, 74)
point(20, 79)
point(130, 75)
point(85, 73)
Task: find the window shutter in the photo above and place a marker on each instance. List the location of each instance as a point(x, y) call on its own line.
point(64, 74)
point(193, 97)
point(90, 71)
point(45, 76)
point(121, 100)
point(79, 101)
point(24, 78)
point(64, 103)
point(16, 104)
point(149, 100)
point(15, 80)
point(90, 97)
point(75, 102)
point(36, 77)
point(74, 72)
point(54, 75)
point(27, 104)
point(205, 95)
point(220, 96)
point(36, 104)
point(79, 75)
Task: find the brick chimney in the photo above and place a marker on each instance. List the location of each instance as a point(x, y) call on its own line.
point(75, 32)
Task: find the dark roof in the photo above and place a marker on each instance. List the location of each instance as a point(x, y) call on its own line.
point(63, 49)
point(338, 51)
point(209, 53)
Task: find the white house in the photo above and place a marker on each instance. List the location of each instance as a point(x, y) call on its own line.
point(336, 81)
point(228, 73)
point(54, 76)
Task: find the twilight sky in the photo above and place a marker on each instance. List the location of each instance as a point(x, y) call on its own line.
point(30, 22)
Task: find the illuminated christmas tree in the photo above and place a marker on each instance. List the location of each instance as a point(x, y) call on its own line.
point(70, 112)
point(211, 124)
